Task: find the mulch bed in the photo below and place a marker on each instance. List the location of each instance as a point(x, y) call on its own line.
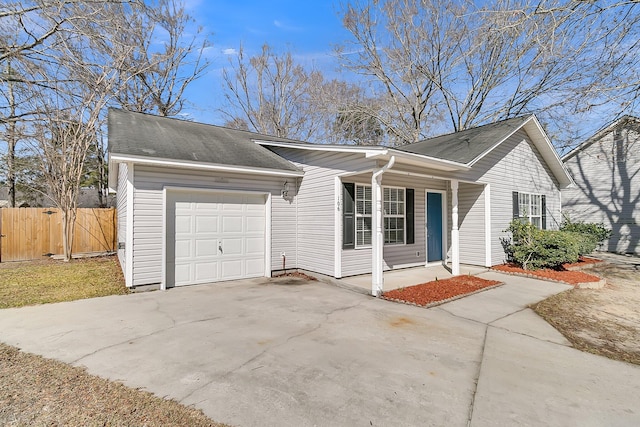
point(565, 275)
point(439, 291)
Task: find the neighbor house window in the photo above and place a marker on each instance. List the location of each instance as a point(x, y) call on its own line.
point(393, 200)
point(530, 208)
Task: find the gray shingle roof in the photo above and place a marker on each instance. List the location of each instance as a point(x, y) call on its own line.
point(137, 134)
point(467, 145)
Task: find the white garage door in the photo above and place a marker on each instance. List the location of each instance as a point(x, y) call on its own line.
point(214, 237)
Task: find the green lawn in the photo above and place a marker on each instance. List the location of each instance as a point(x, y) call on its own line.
point(42, 282)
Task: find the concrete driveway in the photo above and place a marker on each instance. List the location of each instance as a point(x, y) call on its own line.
point(287, 352)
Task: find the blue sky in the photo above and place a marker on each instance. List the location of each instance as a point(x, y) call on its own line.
point(309, 29)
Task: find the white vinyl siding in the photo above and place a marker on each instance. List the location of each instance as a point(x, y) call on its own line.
point(316, 203)
point(515, 165)
point(148, 213)
point(471, 223)
point(121, 208)
point(607, 177)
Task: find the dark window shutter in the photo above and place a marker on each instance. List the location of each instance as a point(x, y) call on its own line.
point(544, 212)
point(348, 215)
point(516, 206)
point(410, 197)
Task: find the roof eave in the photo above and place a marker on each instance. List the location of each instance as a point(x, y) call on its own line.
point(550, 155)
point(432, 162)
point(371, 152)
point(154, 161)
point(596, 136)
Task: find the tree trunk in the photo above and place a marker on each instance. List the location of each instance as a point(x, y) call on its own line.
point(68, 229)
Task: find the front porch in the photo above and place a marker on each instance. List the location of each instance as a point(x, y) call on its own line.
point(405, 277)
point(397, 216)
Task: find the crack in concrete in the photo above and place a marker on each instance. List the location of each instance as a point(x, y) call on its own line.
point(476, 380)
point(306, 331)
point(139, 337)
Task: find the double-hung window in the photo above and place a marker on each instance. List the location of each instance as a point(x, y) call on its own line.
point(530, 208)
point(393, 200)
point(363, 216)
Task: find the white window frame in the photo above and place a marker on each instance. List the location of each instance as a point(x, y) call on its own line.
point(403, 216)
point(364, 215)
point(526, 201)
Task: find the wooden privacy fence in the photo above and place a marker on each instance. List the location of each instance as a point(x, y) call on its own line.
point(31, 233)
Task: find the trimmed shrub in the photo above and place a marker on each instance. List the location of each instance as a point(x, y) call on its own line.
point(586, 243)
point(533, 249)
point(597, 232)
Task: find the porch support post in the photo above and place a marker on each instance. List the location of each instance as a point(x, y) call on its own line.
point(377, 235)
point(455, 234)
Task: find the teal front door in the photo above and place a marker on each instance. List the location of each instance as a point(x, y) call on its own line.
point(434, 227)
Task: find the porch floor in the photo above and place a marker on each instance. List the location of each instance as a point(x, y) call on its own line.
point(406, 277)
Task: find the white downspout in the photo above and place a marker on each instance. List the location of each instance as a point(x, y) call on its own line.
point(377, 237)
point(455, 233)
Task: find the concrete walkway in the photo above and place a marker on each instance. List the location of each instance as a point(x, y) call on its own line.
point(285, 352)
point(401, 278)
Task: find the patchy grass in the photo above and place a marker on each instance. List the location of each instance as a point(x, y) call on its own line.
point(600, 321)
point(42, 282)
point(39, 391)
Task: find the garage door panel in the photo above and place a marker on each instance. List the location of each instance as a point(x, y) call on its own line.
point(254, 267)
point(206, 248)
point(206, 272)
point(183, 223)
point(255, 205)
point(232, 269)
point(254, 224)
point(254, 245)
point(183, 273)
point(183, 249)
point(200, 222)
point(231, 224)
point(231, 247)
point(206, 224)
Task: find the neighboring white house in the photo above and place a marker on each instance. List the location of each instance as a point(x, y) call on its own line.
point(200, 203)
point(606, 170)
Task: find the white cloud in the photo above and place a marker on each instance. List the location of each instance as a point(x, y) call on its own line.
point(229, 51)
point(286, 27)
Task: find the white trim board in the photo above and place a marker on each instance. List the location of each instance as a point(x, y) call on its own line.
point(199, 165)
point(128, 246)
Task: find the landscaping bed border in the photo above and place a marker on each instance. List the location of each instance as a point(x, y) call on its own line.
point(444, 301)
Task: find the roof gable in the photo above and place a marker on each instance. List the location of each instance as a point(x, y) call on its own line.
point(469, 145)
point(151, 137)
point(624, 121)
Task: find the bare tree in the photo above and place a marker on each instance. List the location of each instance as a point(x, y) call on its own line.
point(154, 79)
point(270, 93)
point(467, 63)
point(71, 59)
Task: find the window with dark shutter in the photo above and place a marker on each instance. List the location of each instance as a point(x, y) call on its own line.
point(544, 212)
point(410, 216)
point(348, 215)
point(516, 205)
